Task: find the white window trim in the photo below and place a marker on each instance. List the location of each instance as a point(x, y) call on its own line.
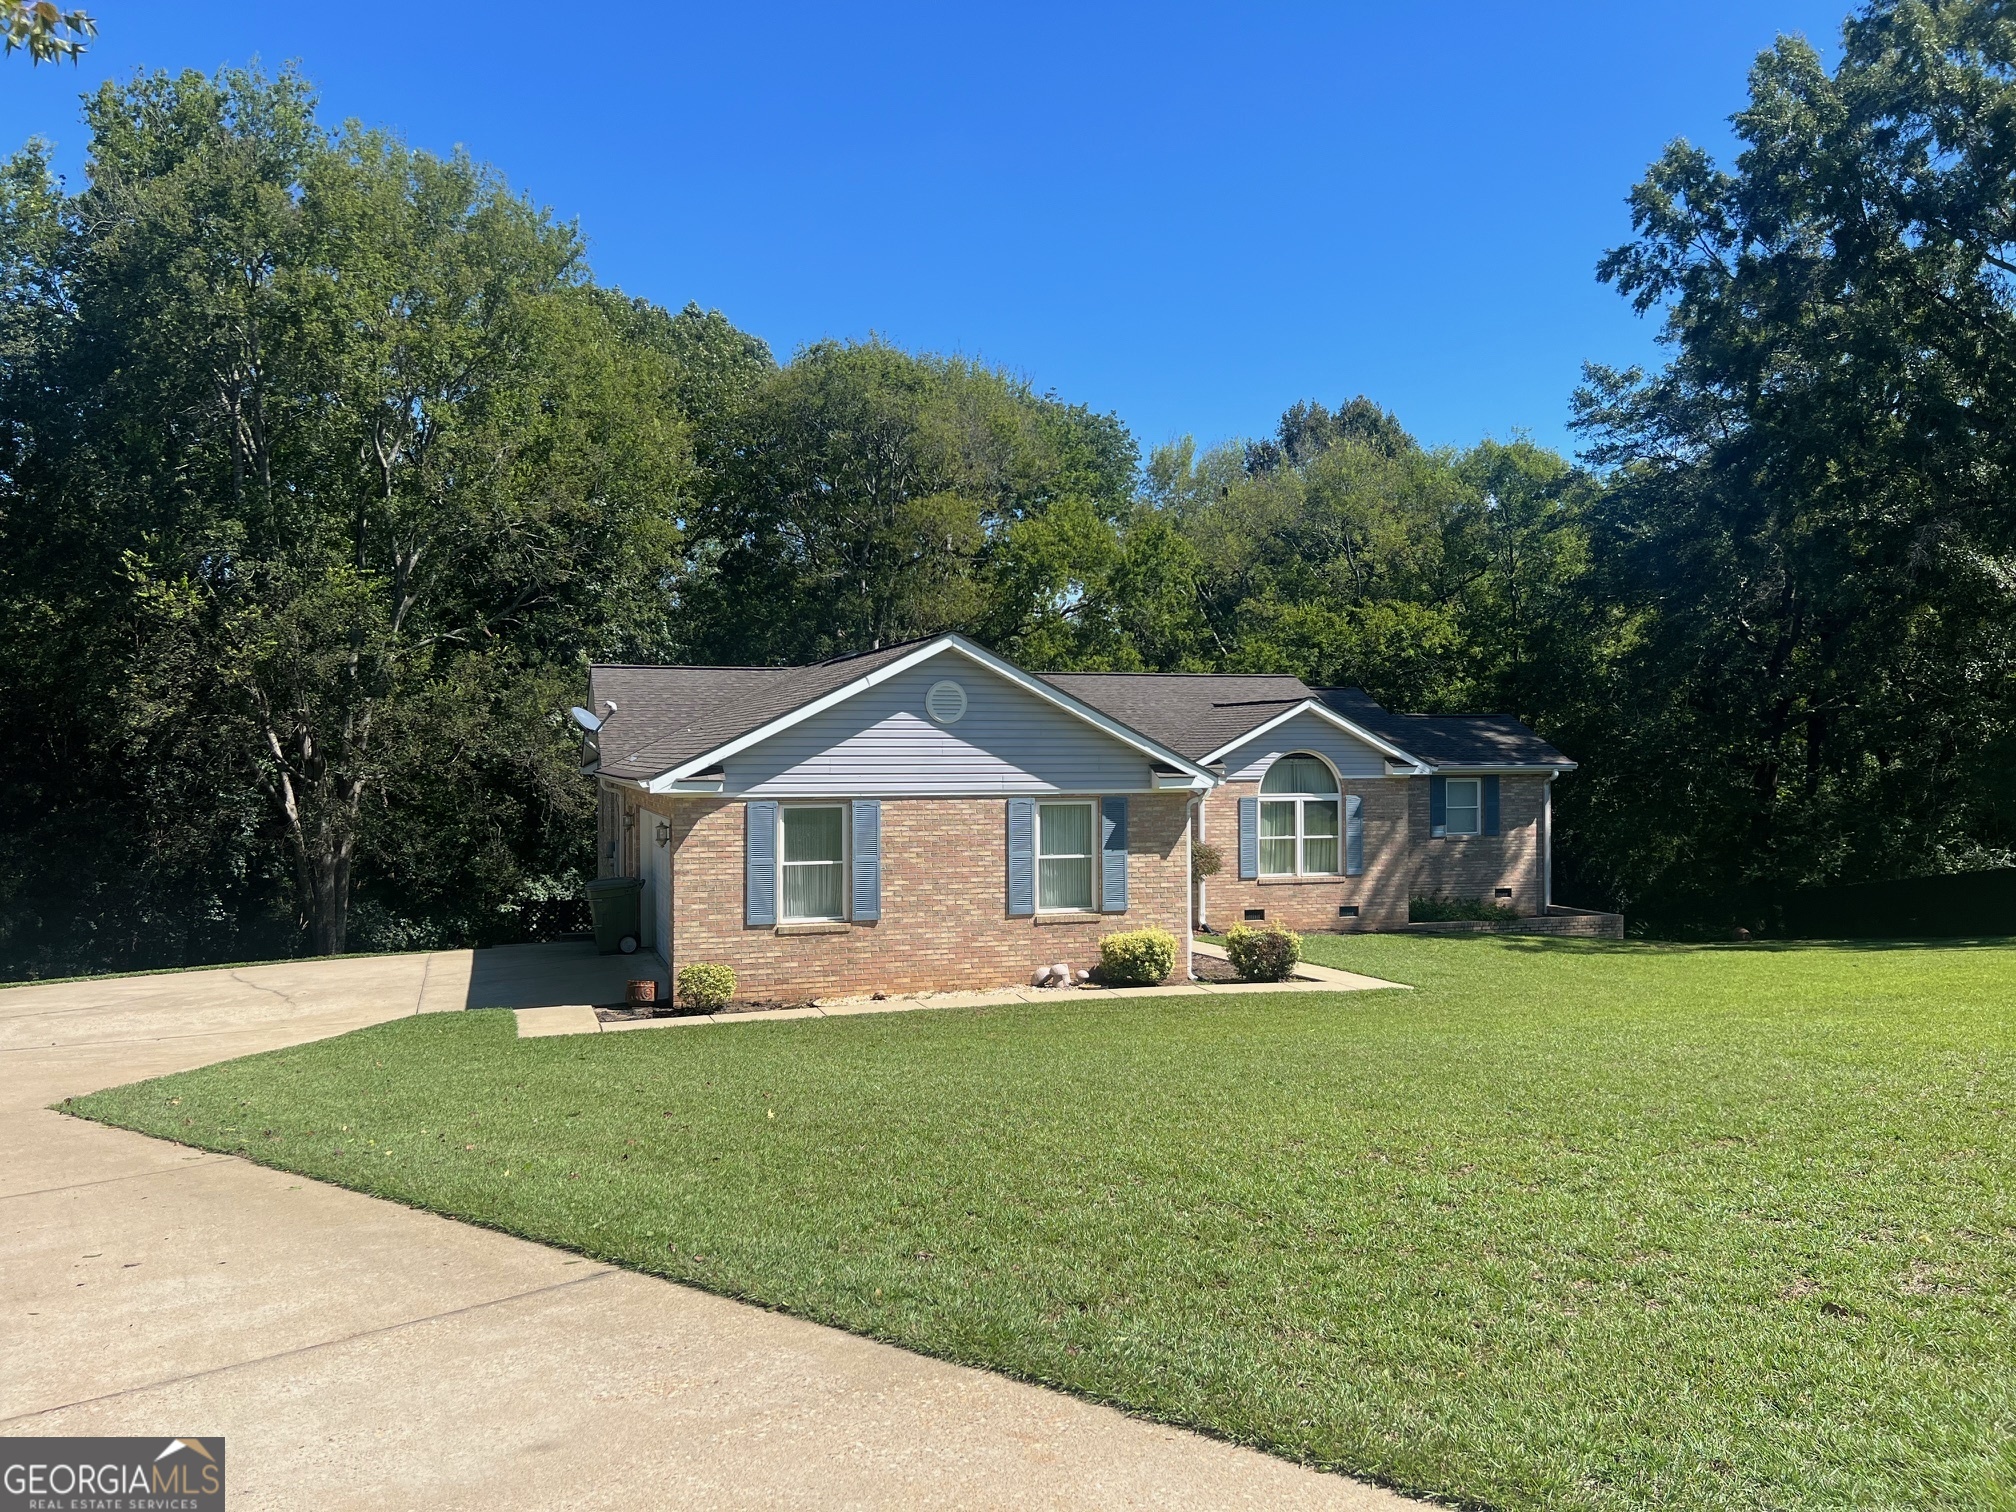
point(1092, 832)
point(846, 864)
point(1448, 808)
point(1302, 836)
point(1301, 829)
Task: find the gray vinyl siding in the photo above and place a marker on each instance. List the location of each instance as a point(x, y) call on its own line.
point(1305, 732)
point(881, 743)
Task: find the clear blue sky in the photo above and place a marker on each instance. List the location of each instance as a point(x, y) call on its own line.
point(1190, 216)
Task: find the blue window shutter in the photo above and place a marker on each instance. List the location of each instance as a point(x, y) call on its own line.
point(1021, 856)
point(867, 858)
point(1490, 805)
point(759, 852)
point(1249, 839)
point(1438, 806)
point(1113, 855)
point(1354, 835)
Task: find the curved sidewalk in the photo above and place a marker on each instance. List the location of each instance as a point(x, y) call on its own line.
point(356, 1353)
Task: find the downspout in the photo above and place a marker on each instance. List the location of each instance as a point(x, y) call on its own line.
point(1193, 893)
point(1547, 845)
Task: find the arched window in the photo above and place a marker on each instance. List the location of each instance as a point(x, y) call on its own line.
point(1298, 818)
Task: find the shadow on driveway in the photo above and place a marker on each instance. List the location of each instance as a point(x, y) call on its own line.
point(556, 974)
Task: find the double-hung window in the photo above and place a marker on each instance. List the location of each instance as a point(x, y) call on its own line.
point(813, 861)
point(1298, 819)
point(1064, 836)
point(1465, 806)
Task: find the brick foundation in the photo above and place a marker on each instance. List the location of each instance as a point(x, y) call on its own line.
point(944, 917)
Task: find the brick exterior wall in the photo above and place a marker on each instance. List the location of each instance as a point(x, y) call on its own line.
point(1475, 866)
point(944, 919)
point(1380, 893)
point(1401, 859)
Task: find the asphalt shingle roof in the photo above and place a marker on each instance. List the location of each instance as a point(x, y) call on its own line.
point(666, 716)
point(1448, 739)
point(1192, 713)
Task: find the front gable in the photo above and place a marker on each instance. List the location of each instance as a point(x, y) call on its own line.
point(883, 742)
point(1306, 731)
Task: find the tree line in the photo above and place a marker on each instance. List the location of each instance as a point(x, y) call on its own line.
point(326, 466)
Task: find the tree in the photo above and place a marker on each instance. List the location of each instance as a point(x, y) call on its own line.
point(1809, 532)
point(333, 459)
point(862, 495)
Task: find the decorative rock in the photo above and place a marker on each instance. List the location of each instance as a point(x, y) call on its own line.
point(1084, 976)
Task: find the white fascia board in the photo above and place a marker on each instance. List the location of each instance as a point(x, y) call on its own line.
point(1552, 769)
point(1386, 748)
point(882, 674)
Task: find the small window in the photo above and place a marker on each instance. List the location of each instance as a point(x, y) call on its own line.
point(1255, 915)
point(1347, 910)
point(1298, 819)
point(1504, 892)
point(813, 858)
point(1466, 806)
point(1063, 857)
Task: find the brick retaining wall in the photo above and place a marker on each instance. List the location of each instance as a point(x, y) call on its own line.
point(1579, 923)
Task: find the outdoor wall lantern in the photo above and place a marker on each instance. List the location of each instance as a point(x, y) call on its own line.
point(664, 832)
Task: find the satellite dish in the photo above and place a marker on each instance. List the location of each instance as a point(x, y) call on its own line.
point(584, 719)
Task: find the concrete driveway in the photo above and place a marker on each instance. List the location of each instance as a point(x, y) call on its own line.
point(359, 1354)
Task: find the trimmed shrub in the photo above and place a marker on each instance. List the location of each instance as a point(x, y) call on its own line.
point(705, 986)
point(1205, 861)
point(1137, 958)
point(1457, 910)
point(1263, 955)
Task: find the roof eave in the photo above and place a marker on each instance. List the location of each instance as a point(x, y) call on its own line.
point(1392, 753)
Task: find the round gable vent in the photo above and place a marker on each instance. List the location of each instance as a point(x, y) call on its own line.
point(946, 702)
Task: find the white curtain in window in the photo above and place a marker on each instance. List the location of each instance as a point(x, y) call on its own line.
point(813, 850)
point(1064, 855)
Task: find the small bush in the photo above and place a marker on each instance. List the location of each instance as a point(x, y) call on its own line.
point(705, 985)
point(1205, 861)
point(1137, 958)
point(1453, 910)
point(1263, 955)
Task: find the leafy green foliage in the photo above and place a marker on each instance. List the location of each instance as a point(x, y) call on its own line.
point(46, 33)
point(328, 467)
point(1136, 957)
point(1263, 955)
point(704, 985)
point(1807, 539)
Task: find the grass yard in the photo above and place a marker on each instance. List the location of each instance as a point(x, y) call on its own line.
point(1571, 1225)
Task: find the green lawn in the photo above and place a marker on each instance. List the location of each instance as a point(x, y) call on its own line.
point(1570, 1225)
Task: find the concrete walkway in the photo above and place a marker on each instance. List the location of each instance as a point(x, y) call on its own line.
point(580, 1018)
point(359, 1354)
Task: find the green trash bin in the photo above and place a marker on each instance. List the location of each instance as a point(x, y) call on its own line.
point(613, 902)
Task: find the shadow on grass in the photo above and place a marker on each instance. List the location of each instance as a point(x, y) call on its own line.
point(1542, 944)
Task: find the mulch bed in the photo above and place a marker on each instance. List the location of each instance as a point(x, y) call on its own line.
point(1204, 968)
point(618, 1013)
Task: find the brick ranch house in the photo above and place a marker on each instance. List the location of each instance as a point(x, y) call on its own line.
point(931, 816)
